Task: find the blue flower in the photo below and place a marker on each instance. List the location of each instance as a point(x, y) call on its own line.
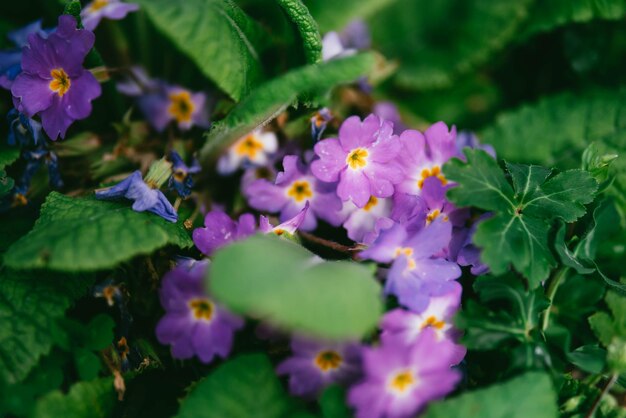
point(319, 121)
point(23, 130)
point(34, 158)
point(181, 179)
point(145, 198)
point(11, 60)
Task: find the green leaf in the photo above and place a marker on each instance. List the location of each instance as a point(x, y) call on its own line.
point(87, 364)
point(333, 403)
point(8, 155)
point(436, 41)
point(85, 234)
point(606, 326)
point(29, 306)
point(93, 399)
point(546, 16)
point(309, 32)
point(517, 233)
point(273, 97)
point(529, 395)
point(238, 388)
point(217, 35)
point(507, 312)
point(290, 287)
point(568, 258)
point(589, 358)
point(334, 15)
point(6, 184)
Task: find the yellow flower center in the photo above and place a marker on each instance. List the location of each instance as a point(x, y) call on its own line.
point(249, 146)
point(278, 231)
point(408, 252)
point(180, 175)
point(181, 106)
point(434, 171)
point(98, 4)
point(300, 190)
point(201, 308)
point(328, 360)
point(61, 82)
point(370, 204)
point(357, 158)
point(319, 120)
point(433, 322)
point(402, 381)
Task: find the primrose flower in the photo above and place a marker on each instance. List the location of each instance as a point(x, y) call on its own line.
point(145, 197)
point(35, 157)
point(362, 159)
point(353, 38)
point(315, 365)
point(219, 230)
point(53, 82)
point(319, 121)
point(389, 111)
point(23, 130)
point(253, 149)
point(401, 379)
point(194, 324)
point(423, 155)
point(415, 273)
point(437, 316)
point(469, 139)
point(361, 222)
point(93, 12)
point(181, 179)
point(11, 60)
point(463, 250)
point(294, 188)
point(288, 227)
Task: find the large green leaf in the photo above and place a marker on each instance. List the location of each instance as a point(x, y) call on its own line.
point(606, 326)
point(529, 395)
point(244, 386)
point(332, 15)
point(435, 41)
point(270, 99)
point(85, 234)
point(517, 233)
point(283, 283)
point(92, 399)
point(547, 15)
point(8, 155)
point(309, 32)
point(217, 35)
point(30, 303)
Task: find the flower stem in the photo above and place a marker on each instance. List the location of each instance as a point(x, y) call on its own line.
point(551, 292)
point(605, 390)
point(329, 244)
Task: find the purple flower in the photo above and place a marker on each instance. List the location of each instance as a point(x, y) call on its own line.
point(253, 149)
point(389, 111)
point(423, 155)
point(35, 157)
point(145, 198)
point(53, 82)
point(315, 365)
point(181, 179)
point(220, 230)
point(162, 104)
point(401, 379)
point(469, 139)
point(23, 130)
point(194, 324)
point(93, 12)
point(362, 159)
point(289, 227)
point(463, 250)
point(361, 222)
point(416, 274)
point(319, 121)
point(354, 37)
point(11, 60)
point(294, 187)
point(437, 316)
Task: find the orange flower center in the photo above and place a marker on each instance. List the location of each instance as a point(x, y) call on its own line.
point(98, 4)
point(402, 381)
point(300, 190)
point(370, 204)
point(249, 146)
point(357, 158)
point(328, 360)
point(61, 82)
point(181, 106)
point(433, 322)
point(408, 253)
point(434, 171)
point(201, 308)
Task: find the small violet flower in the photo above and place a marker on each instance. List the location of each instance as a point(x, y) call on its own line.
point(194, 324)
point(294, 187)
point(181, 179)
point(463, 250)
point(362, 159)
point(23, 131)
point(53, 82)
point(145, 197)
point(319, 121)
point(423, 155)
point(35, 157)
point(361, 222)
point(288, 227)
point(353, 38)
point(219, 230)
point(416, 274)
point(389, 111)
point(401, 379)
point(11, 60)
point(253, 149)
point(469, 139)
point(315, 365)
point(93, 12)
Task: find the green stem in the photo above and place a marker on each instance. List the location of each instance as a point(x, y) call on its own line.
point(550, 293)
point(605, 390)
